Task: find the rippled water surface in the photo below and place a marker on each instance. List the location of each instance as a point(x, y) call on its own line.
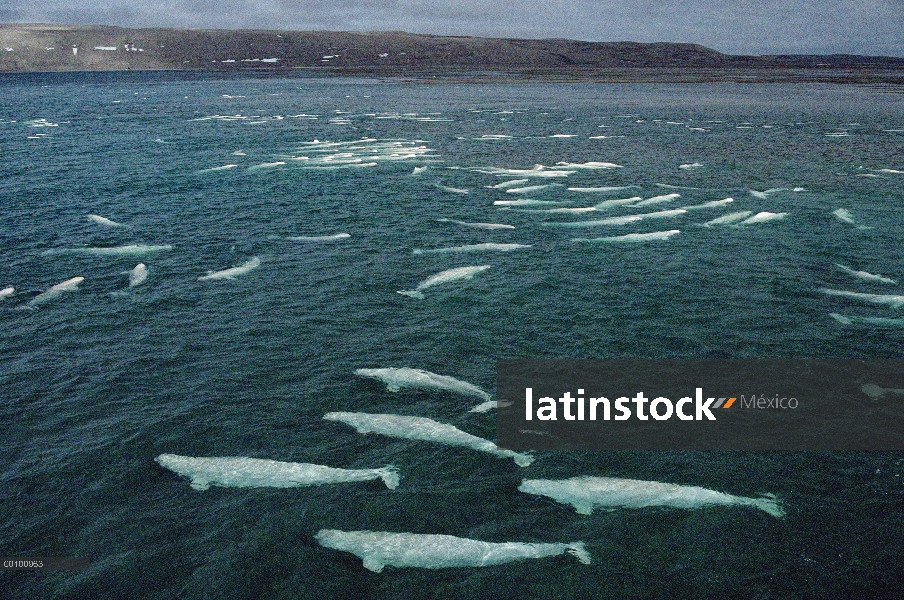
point(326, 197)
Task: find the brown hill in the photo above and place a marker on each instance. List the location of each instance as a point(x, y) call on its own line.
point(31, 48)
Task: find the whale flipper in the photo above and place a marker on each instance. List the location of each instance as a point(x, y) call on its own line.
point(372, 564)
point(578, 550)
point(411, 294)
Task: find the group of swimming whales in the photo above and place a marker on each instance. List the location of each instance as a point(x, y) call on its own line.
point(738, 218)
point(137, 275)
point(378, 549)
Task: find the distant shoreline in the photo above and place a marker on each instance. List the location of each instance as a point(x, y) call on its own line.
point(893, 80)
point(38, 48)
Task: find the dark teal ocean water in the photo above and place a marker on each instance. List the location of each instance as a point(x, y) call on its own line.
point(98, 382)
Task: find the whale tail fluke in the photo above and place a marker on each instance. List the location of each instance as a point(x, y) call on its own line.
point(411, 294)
point(390, 476)
point(485, 407)
point(523, 460)
point(578, 550)
point(770, 504)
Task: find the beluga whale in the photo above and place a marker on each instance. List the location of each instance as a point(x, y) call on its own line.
point(138, 275)
point(70, 285)
point(104, 221)
point(245, 472)
point(586, 493)
point(421, 428)
point(233, 272)
point(398, 378)
point(447, 276)
point(377, 549)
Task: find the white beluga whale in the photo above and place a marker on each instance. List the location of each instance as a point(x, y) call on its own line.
point(537, 171)
point(765, 194)
point(531, 188)
point(472, 248)
point(586, 493)
point(710, 204)
point(451, 190)
point(319, 238)
point(138, 275)
point(216, 169)
point(104, 221)
point(845, 216)
point(70, 285)
point(508, 184)
point(602, 190)
point(477, 225)
point(485, 407)
point(421, 428)
point(447, 276)
point(242, 472)
point(632, 237)
point(6, 292)
point(658, 199)
point(377, 549)
point(398, 378)
point(876, 392)
point(526, 202)
point(892, 300)
point(729, 218)
point(127, 250)
point(763, 217)
point(233, 272)
point(877, 321)
point(587, 165)
point(864, 275)
point(607, 204)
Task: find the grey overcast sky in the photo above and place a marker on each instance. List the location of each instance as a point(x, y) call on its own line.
point(873, 27)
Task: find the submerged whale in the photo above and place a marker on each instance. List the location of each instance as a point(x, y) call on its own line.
point(449, 275)
point(586, 493)
point(877, 321)
point(70, 285)
point(892, 300)
point(104, 221)
point(258, 472)
point(658, 199)
point(477, 225)
point(319, 238)
point(396, 379)
point(531, 188)
point(421, 428)
point(378, 549)
point(233, 272)
point(632, 237)
point(710, 204)
point(729, 218)
point(602, 190)
point(607, 204)
point(472, 248)
point(127, 250)
point(508, 184)
point(138, 275)
point(864, 275)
